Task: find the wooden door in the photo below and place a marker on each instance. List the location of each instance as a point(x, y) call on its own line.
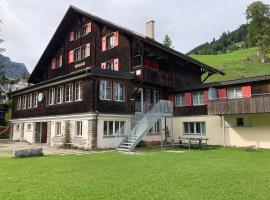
point(44, 132)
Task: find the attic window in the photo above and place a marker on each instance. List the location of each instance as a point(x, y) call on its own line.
point(77, 35)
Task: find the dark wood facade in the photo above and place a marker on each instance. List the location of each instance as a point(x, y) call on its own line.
point(171, 70)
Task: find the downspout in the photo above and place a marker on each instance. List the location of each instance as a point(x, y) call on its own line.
point(223, 130)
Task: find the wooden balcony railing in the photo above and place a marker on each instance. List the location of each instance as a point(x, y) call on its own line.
point(158, 77)
point(259, 103)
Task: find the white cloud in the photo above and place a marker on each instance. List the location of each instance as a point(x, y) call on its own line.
point(29, 24)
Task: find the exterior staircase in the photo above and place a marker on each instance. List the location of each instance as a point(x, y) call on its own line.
point(142, 125)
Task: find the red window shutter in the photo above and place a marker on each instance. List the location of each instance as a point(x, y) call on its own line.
point(222, 93)
point(71, 36)
point(89, 27)
point(246, 91)
point(104, 43)
point(205, 96)
point(70, 56)
point(87, 50)
point(155, 66)
point(171, 98)
point(146, 62)
point(188, 100)
point(54, 63)
point(116, 64)
point(116, 38)
point(60, 60)
point(103, 65)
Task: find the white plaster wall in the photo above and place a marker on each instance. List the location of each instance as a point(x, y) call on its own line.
point(106, 142)
point(212, 124)
point(28, 134)
point(257, 133)
point(16, 133)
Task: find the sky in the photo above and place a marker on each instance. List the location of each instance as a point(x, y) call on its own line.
point(28, 25)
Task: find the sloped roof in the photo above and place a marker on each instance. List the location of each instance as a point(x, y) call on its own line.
point(73, 10)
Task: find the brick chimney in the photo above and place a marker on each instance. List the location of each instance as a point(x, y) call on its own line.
point(150, 29)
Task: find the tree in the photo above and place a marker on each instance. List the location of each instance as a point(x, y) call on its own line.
point(258, 16)
point(167, 41)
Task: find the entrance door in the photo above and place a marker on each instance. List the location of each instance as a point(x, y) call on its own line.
point(139, 101)
point(44, 132)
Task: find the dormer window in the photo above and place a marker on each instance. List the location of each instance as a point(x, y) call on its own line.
point(110, 41)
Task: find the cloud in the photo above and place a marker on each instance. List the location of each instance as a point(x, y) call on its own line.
point(29, 24)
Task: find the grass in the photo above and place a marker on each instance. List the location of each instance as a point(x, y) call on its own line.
point(208, 174)
point(235, 64)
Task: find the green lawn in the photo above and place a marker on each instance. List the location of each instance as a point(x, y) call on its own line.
point(235, 64)
point(208, 174)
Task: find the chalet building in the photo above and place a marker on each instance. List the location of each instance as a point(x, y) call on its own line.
point(106, 86)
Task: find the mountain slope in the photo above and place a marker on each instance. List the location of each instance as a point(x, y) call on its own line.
point(12, 70)
point(237, 64)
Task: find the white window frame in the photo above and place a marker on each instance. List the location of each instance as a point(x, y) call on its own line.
point(78, 91)
point(119, 94)
point(236, 93)
point(110, 65)
point(69, 92)
point(116, 125)
point(84, 30)
point(29, 101)
point(77, 34)
point(192, 129)
point(59, 94)
point(24, 102)
point(198, 98)
point(78, 128)
point(51, 99)
point(110, 43)
point(58, 129)
point(105, 90)
point(80, 53)
point(58, 62)
point(35, 100)
point(19, 103)
point(180, 100)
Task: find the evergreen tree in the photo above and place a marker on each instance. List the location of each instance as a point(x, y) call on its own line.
point(167, 41)
point(258, 16)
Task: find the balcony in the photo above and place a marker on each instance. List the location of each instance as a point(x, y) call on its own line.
point(158, 77)
point(259, 103)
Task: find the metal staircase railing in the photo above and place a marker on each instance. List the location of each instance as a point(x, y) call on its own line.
point(163, 108)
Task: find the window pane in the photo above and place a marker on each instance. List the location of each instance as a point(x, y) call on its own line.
point(203, 127)
point(110, 128)
point(116, 127)
point(105, 128)
point(195, 98)
point(186, 127)
point(191, 127)
point(198, 127)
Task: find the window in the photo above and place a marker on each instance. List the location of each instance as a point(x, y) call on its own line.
point(110, 41)
point(194, 128)
point(119, 92)
point(180, 100)
point(234, 93)
point(29, 103)
point(112, 128)
point(240, 122)
point(58, 129)
point(19, 103)
point(110, 65)
point(105, 90)
point(29, 126)
point(77, 35)
point(78, 91)
point(157, 127)
point(51, 96)
point(59, 94)
point(59, 62)
point(69, 92)
point(35, 102)
point(198, 98)
point(24, 102)
point(84, 30)
point(80, 53)
point(78, 126)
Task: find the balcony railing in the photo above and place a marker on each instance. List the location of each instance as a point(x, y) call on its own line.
point(158, 77)
point(258, 103)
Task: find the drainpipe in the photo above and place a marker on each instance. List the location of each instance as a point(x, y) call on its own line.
point(223, 130)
